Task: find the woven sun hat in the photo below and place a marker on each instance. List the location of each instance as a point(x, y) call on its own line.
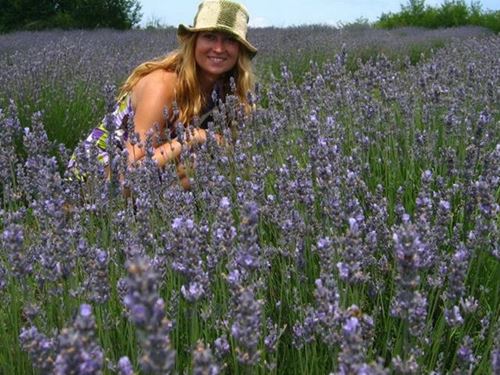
point(221, 15)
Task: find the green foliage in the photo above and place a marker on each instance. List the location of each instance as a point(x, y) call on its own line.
point(68, 14)
point(155, 23)
point(359, 24)
point(451, 14)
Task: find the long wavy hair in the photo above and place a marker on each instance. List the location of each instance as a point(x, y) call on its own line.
point(189, 99)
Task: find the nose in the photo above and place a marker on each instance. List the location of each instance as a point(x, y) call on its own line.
point(218, 45)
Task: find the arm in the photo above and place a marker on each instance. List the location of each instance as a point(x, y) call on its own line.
point(150, 96)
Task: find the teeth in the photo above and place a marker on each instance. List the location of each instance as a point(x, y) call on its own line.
point(218, 59)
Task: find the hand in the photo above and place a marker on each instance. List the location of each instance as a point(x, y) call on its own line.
point(197, 136)
point(219, 139)
point(182, 173)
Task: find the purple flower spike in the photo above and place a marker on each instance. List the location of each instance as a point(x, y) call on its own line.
point(125, 367)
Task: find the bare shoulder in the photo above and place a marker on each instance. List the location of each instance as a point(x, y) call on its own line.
point(157, 84)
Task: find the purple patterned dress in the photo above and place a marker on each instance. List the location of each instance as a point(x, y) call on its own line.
point(99, 135)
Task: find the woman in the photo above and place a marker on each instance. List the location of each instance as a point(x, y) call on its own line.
point(212, 51)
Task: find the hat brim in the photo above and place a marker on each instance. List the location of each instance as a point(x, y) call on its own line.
point(183, 30)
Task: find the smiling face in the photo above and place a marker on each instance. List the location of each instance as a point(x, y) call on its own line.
point(216, 53)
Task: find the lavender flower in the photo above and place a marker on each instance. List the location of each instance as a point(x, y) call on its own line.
point(325, 247)
point(221, 346)
point(125, 367)
point(304, 332)
point(13, 244)
point(203, 362)
point(184, 250)
point(146, 310)
point(459, 265)
point(273, 335)
point(324, 319)
point(78, 353)
point(245, 328)
point(465, 353)
point(3, 277)
point(409, 303)
point(354, 251)
point(97, 284)
point(352, 355)
point(495, 354)
point(405, 367)
point(223, 235)
point(248, 253)
point(40, 348)
point(11, 129)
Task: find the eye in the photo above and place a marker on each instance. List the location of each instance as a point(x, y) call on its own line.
point(209, 36)
point(230, 39)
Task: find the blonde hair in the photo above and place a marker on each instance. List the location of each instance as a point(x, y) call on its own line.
point(188, 96)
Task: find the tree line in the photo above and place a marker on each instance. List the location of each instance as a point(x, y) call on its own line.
point(125, 14)
point(68, 14)
point(449, 14)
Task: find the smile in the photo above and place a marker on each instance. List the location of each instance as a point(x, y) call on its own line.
point(216, 59)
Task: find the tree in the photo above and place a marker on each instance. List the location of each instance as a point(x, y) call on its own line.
point(415, 7)
point(119, 14)
point(451, 13)
point(413, 11)
point(86, 14)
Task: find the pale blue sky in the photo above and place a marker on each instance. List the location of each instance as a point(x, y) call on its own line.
point(282, 13)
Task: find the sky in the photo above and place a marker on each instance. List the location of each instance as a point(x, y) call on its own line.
point(283, 13)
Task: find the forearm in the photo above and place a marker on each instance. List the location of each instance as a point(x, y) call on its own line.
point(169, 151)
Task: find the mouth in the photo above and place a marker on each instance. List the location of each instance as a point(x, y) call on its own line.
point(216, 59)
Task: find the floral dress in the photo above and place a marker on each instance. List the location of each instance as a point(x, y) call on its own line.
point(98, 137)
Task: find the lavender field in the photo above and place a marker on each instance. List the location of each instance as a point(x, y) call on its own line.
point(350, 227)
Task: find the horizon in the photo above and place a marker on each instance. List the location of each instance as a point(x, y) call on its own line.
point(264, 13)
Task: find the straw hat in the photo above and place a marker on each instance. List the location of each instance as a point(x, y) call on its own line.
point(221, 15)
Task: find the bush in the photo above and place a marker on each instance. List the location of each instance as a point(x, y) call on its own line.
point(451, 14)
